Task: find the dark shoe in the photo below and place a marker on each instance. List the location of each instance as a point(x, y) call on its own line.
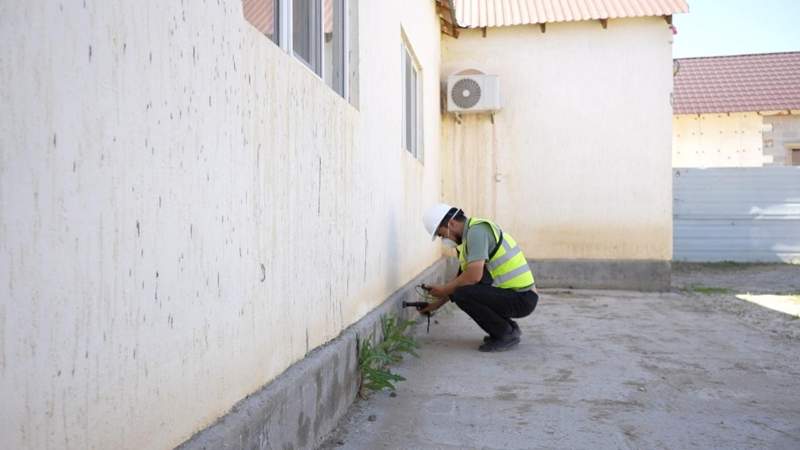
point(515, 331)
point(499, 345)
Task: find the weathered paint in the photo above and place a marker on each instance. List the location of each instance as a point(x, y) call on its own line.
point(577, 162)
point(185, 210)
point(717, 140)
point(737, 214)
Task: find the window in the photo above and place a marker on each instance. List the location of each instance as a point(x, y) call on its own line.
point(306, 32)
point(264, 15)
point(795, 157)
point(412, 110)
point(316, 32)
point(334, 57)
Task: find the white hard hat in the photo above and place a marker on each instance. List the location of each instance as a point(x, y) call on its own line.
point(433, 217)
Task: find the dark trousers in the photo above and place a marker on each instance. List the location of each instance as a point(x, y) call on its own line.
point(493, 308)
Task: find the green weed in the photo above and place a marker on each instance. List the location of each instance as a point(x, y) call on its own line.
point(710, 290)
point(374, 358)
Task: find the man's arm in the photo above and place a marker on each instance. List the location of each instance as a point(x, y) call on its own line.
point(472, 275)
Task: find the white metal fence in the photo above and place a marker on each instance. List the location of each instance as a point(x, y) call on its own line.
point(743, 214)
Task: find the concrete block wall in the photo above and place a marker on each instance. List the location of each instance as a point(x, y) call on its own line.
point(718, 140)
point(781, 138)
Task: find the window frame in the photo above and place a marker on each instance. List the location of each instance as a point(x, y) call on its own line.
point(793, 150)
point(416, 145)
point(340, 47)
point(276, 19)
point(340, 82)
point(316, 41)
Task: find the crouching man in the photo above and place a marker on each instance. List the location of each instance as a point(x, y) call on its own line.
point(494, 284)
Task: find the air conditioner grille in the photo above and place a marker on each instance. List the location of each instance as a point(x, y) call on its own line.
point(466, 93)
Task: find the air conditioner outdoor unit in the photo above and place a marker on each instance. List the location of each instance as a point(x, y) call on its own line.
point(473, 93)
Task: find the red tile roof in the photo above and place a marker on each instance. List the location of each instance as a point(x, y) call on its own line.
point(740, 83)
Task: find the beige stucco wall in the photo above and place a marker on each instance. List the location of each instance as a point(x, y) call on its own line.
point(185, 210)
point(581, 148)
point(718, 140)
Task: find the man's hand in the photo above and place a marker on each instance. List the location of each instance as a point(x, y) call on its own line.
point(438, 290)
point(472, 275)
point(433, 306)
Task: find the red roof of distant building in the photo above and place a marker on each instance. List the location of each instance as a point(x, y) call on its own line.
point(740, 83)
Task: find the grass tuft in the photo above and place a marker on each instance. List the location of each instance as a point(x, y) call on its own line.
point(710, 290)
point(374, 358)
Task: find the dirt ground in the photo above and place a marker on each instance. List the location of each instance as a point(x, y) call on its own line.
point(693, 368)
point(754, 278)
point(716, 285)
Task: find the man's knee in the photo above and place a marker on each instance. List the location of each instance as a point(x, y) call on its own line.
point(462, 294)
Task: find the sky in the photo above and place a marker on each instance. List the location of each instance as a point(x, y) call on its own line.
point(734, 27)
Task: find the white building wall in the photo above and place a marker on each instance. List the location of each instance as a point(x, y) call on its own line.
point(577, 162)
point(186, 210)
point(718, 140)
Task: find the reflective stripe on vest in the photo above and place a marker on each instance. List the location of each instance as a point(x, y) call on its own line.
point(508, 266)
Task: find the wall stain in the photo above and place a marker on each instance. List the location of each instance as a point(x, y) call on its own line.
point(303, 429)
point(319, 183)
point(366, 246)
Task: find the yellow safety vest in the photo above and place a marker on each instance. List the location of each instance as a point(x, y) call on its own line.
point(507, 266)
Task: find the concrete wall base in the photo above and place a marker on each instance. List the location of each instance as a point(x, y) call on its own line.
point(638, 275)
point(300, 407)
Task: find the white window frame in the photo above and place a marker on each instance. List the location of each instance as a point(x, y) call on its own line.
point(340, 13)
point(286, 33)
point(417, 132)
point(315, 50)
